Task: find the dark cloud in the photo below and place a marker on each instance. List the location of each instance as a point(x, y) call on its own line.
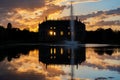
point(97, 19)
point(99, 13)
point(116, 11)
point(108, 23)
point(105, 23)
point(8, 6)
point(30, 4)
point(23, 76)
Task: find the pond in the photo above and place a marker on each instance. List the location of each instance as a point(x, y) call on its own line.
point(60, 62)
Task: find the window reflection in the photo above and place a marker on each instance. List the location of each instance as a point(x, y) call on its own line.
point(54, 50)
point(61, 51)
point(51, 50)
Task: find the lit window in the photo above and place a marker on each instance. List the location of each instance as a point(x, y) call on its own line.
point(50, 27)
point(61, 33)
point(51, 33)
point(68, 33)
point(54, 33)
point(54, 27)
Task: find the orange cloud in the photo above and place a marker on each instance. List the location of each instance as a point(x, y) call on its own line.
point(28, 17)
point(25, 18)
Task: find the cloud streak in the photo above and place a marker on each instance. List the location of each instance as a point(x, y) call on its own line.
point(102, 14)
point(108, 23)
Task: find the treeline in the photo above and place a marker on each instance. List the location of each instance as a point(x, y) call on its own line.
point(103, 36)
point(15, 35)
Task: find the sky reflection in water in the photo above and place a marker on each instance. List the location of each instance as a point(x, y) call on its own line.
point(92, 63)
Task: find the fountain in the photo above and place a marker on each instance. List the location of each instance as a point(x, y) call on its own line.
point(72, 41)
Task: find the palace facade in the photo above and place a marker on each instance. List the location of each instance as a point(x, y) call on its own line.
point(52, 31)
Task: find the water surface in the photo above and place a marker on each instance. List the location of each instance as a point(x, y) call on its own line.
point(53, 62)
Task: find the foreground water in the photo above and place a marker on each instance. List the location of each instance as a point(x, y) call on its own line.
point(53, 62)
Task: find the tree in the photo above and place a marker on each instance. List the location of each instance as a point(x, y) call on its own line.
point(9, 26)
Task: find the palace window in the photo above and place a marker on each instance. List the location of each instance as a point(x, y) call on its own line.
point(54, 27)
point(68, 33)
point(52, 33)
point(61, 33)
point(68, 27)
point(51, 27)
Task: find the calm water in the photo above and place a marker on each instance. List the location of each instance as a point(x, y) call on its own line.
point(53, 62)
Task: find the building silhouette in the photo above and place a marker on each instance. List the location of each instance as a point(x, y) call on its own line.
point(59, 31)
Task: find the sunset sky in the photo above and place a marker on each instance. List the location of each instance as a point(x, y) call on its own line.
point(26, 14)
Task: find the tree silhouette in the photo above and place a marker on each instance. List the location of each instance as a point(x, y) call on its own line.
point(15, 35)
point(9, 26)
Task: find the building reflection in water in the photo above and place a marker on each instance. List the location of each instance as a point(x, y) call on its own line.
point(60, 55)
point(95, 61)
